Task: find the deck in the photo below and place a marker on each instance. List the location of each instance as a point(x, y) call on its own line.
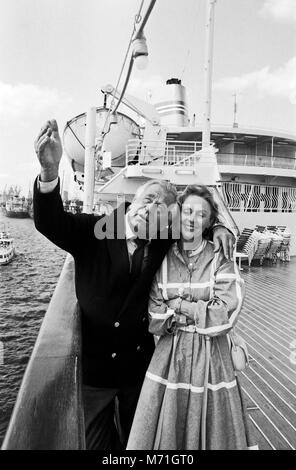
point(268, 324)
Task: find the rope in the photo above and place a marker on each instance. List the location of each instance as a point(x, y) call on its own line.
point(130, 67)
point(137, 19)
point(104, 132)
point(75, 135)
point(145, 19)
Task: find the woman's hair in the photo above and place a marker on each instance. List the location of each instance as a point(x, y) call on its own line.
point(203, 192)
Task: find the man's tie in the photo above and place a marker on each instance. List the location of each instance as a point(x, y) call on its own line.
point(137, 258)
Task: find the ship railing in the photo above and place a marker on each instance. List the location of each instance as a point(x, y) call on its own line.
point(290, 134)
point(169, 152)
point(269, 161)
point(245, 197)
point(48, 412)
point(184, 153)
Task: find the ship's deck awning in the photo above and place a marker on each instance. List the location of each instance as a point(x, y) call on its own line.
point(268, 324)
point(245, 135)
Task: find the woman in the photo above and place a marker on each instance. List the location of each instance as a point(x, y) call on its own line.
point(195, 300)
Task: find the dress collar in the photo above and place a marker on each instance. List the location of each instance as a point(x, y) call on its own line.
point(179, 255)
point(198, 250)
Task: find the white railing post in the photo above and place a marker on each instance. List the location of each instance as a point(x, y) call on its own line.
point(89, 161)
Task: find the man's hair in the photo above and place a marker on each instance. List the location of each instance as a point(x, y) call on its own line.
point(204, 193)
point(168, 188)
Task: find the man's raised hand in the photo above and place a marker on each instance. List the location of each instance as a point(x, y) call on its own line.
point(49, 150)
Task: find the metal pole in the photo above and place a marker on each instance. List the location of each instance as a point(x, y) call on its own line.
point(89, 161)
point(145, 19)
point(137, 35)
point(209, 47)
point(235, 124)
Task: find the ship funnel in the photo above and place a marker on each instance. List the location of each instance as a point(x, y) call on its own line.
point(170, 102)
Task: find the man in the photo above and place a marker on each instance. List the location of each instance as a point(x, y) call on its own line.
point(113, 276)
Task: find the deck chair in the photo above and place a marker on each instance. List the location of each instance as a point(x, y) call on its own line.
point(243, 239)
point(262, 248)
point(272, 228)
point(250, 246)
point(281, 228)
point(260, 228)
point(284, 251)
point(256, 247)
point(274, 248)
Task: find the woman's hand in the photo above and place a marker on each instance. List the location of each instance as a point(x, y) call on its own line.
point(188, 309)
point(174, 303)
point(184, 308)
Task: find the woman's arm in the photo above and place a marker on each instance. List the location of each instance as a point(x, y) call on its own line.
point(163, 319)
point(219, 314)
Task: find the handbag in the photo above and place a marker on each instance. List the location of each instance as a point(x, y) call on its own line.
point(238, 351)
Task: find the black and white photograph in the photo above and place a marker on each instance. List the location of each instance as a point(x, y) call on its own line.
point(147, 227)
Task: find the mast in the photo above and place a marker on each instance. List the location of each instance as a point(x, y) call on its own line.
point(207, 167)
point(208, 68)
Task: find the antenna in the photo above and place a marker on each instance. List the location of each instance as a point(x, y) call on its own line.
point(235, 123)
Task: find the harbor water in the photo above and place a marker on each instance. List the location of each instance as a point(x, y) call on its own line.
point(26, 287)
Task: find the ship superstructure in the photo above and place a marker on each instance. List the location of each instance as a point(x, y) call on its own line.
point(257, 167)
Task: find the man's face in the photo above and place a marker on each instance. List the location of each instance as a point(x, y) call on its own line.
point(148, 213)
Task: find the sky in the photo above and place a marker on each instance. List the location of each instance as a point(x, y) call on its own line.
point(55, 57)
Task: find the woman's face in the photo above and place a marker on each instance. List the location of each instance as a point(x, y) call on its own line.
point(195, 217)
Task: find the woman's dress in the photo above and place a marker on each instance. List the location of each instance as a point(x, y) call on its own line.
point(168, 414)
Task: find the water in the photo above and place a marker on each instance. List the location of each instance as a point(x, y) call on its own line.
point(26, 286)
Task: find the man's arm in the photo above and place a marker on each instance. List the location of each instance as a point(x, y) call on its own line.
point(68, 231)
point(223, 237)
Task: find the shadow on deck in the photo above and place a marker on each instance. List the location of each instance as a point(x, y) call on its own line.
point(268, 324)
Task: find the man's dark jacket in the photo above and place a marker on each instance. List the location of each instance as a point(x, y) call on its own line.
point(116, 344)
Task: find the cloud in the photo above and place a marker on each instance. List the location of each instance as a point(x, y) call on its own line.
point(279, 82)
point(282, 10)
point(27, 101)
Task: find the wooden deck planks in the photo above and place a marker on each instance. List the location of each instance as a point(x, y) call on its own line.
point(268, 324)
